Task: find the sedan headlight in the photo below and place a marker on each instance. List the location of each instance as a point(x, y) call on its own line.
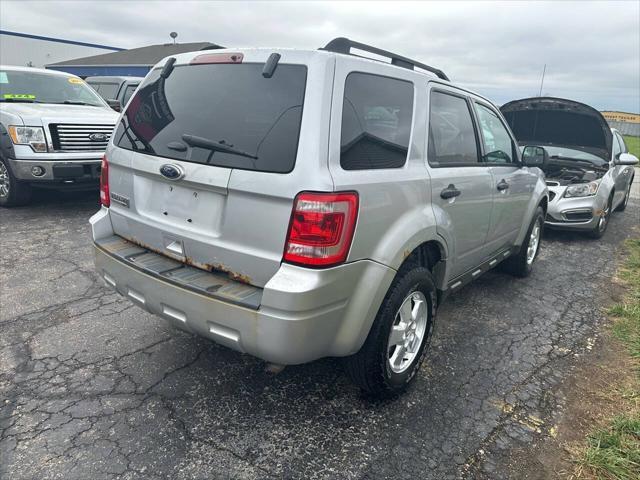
point(32, 136)
point(582, 190)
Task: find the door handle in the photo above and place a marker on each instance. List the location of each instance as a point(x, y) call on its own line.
point(503, 185)
point(450, 192)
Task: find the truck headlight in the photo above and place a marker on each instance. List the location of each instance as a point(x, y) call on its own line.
point(582, 190)
point(32, 136)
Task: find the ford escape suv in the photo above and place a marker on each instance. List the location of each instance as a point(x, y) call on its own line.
point(295, 205)
point(53, 133)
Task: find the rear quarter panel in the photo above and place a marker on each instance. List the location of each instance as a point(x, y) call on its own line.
point(395, 214)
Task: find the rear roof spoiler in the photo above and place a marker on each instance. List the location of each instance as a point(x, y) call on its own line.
point(344, 45)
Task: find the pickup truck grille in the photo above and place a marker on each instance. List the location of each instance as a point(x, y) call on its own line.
point(67, 137)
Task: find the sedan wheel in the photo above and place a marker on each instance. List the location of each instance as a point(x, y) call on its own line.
point(604, 218)
point(603, 221)
point(625, 202)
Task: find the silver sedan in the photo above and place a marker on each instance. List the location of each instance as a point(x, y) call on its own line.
point(587, 166)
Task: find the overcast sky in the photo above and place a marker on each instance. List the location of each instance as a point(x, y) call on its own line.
point(592, 49)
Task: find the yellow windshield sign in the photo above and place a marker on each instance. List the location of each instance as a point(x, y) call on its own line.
point(75, 80)
point(19, 96)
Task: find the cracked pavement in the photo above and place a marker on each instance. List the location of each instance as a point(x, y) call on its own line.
point(92, 386)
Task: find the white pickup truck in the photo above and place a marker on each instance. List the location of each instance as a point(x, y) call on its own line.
point(53, 133)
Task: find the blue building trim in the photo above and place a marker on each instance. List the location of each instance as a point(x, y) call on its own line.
point(59, 40)
point(101, 70)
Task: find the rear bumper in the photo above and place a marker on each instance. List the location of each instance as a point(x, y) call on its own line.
point(63, 172)
point(303, 314)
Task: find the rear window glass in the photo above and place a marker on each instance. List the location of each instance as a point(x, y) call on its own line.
point(218, 114)
point(108, 91)
point(128, 92)
point(376, 122)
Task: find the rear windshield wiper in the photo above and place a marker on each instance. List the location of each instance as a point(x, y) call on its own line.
point(195, 141)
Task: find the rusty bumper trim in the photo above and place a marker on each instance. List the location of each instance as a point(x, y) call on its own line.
point(211, 284)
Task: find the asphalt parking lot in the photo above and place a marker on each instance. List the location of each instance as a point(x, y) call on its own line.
point(93, 387)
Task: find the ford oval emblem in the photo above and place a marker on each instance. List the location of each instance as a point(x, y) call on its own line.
point(172, 172)
point(98, 137)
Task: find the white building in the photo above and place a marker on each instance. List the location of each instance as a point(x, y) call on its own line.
point(36, 51)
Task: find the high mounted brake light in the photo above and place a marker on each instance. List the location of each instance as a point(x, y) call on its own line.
point(104, 183)
point(217, 58)
point(321, 228)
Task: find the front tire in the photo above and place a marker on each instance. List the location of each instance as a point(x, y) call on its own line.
point(12, 192)
point(398, 340)
point(521, 264)
point(623, 205)
point(603, 223)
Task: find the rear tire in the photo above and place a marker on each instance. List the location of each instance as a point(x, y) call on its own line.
point(521, 264)
point(623, 205)
point(12, 192)
point(603, 223)
point(398, 340)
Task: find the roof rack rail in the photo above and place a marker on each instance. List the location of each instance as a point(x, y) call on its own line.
point(344, 45)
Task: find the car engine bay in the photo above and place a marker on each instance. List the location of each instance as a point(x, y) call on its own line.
point(566, 172)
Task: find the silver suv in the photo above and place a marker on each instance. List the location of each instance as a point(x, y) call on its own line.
point(53, 133)
point(295, 204)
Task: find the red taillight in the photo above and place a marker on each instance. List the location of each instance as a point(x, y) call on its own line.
point(321, 228)
point(104, 183)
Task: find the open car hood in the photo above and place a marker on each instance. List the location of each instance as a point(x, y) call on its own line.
point(559, 122)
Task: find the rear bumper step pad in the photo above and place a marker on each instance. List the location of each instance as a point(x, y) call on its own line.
point(212, 284)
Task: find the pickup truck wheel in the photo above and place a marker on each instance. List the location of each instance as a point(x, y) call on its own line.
point(521, 264)
point(12, 192)
point(623, 204)
point(397, 342)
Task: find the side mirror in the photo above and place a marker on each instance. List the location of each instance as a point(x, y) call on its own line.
point(535, 156)
point(115, 104)
point(626, 159)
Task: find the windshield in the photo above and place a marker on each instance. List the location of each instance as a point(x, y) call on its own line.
point(227, 115)
point(31, 87)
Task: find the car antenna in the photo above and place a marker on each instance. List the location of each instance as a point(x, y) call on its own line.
point(168, 68)
point(270, 65)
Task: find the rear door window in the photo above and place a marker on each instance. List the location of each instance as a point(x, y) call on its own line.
point(498, 146)
point(452, 137)
point(376, 122)
point(227, 115)
point(128, 91)
point(108, 91)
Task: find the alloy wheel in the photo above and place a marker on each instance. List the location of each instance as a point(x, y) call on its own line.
point(604, 218)
point(4, 181)
point(534, 242)
point(408, 332)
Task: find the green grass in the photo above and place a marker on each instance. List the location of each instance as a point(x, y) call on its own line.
point(627, 313)
point(613, 451)
point(633, 144)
